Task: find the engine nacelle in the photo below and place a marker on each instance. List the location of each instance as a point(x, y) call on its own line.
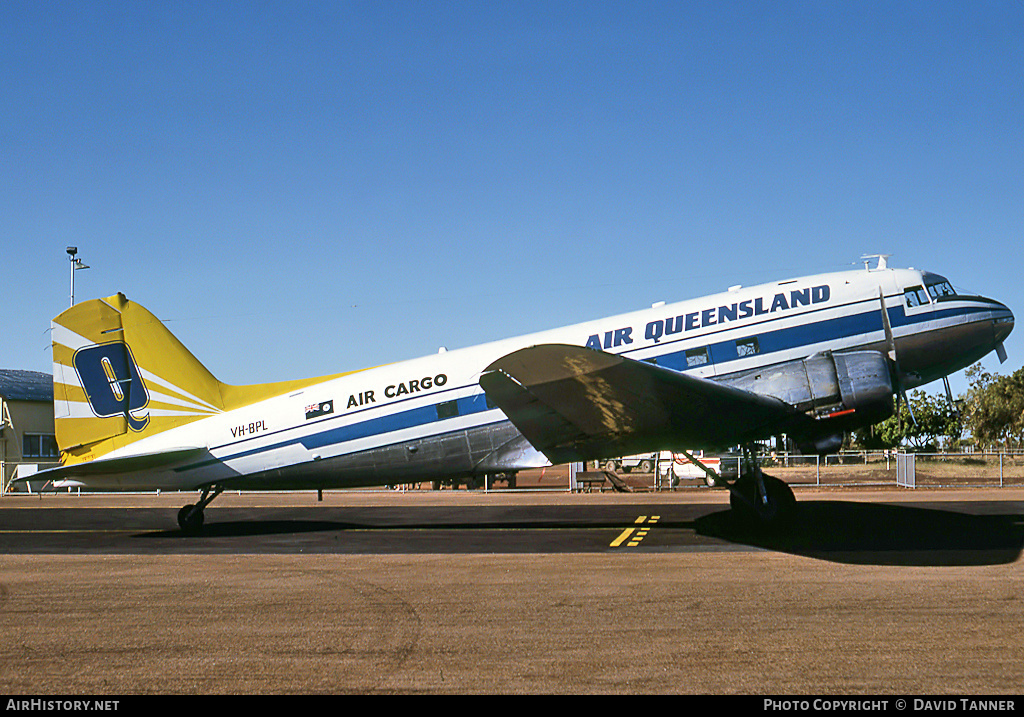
point(852, 389)
point(820, 445)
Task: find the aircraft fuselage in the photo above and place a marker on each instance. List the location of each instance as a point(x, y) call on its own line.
point(429, 418)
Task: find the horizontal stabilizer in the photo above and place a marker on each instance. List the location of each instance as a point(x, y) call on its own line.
point(574, 404)
point(123, 464)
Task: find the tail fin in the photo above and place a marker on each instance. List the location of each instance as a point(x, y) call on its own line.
point(119, 375)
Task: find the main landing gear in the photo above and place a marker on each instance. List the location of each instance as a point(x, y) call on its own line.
point(190, 518)
point(761, 498)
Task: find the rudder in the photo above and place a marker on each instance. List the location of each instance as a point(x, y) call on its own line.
point(120, 375)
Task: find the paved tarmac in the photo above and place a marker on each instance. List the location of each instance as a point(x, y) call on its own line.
point(507, 592)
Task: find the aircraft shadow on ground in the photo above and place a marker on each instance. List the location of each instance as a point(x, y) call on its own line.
point(257, 527)
point(837, 531)
point(875, 534)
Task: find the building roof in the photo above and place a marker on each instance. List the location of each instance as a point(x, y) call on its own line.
point(18, 385)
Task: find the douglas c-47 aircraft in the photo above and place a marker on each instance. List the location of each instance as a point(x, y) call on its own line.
point(810, 357)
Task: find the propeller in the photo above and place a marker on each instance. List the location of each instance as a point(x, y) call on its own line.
point(901, 391)
point(949, 398)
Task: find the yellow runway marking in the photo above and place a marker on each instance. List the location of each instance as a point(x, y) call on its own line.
point(622, 538)
point(635, 535)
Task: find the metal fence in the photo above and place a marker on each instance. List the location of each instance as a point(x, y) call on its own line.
point(906, 470)
point(850, 469)
point(909, 470)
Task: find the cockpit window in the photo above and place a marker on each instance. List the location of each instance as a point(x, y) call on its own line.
point(936, 288)
point(941, 290)
point(915, 296)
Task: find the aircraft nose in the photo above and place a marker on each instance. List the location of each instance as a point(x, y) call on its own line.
point(1002, 322)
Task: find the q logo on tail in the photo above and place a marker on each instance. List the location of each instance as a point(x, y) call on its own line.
point(112, 382)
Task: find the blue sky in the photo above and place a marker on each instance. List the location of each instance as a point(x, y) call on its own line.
point(300, 188)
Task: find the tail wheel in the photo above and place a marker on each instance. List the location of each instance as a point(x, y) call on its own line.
point(190, 519)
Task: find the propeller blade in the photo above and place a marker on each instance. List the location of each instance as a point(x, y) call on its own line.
point(910, 409)
point(890, 342)
point(949, 398)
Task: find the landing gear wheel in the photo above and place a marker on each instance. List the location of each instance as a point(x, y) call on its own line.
point(190, 520)
point(747, 504)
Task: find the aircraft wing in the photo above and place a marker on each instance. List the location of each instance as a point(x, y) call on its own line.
point(574, 403)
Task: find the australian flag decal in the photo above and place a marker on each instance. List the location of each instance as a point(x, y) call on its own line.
point(319, 409)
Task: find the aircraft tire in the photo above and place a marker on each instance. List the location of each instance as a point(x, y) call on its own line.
point(745, 504)
point(187, 523)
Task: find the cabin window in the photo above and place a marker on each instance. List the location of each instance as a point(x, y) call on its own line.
point(697, 357)
point(448, 409)
point(915, 296)
point(748, 347)
point(39, 445)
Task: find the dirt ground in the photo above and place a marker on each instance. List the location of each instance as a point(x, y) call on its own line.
point(746, 623)
point(738, 620)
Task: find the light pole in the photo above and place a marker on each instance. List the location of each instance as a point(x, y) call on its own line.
point(76, 264)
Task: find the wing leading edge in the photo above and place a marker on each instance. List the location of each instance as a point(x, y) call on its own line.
point(574, 403)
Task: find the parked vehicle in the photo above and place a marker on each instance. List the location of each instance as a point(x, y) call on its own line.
point(641, 463)
point(725, 466)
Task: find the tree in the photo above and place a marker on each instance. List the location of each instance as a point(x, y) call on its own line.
point(933, 419)
point(994, 407)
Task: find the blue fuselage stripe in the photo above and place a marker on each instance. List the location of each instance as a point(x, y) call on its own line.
point(410, 418)
point(808, 334)
point(721, 353)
